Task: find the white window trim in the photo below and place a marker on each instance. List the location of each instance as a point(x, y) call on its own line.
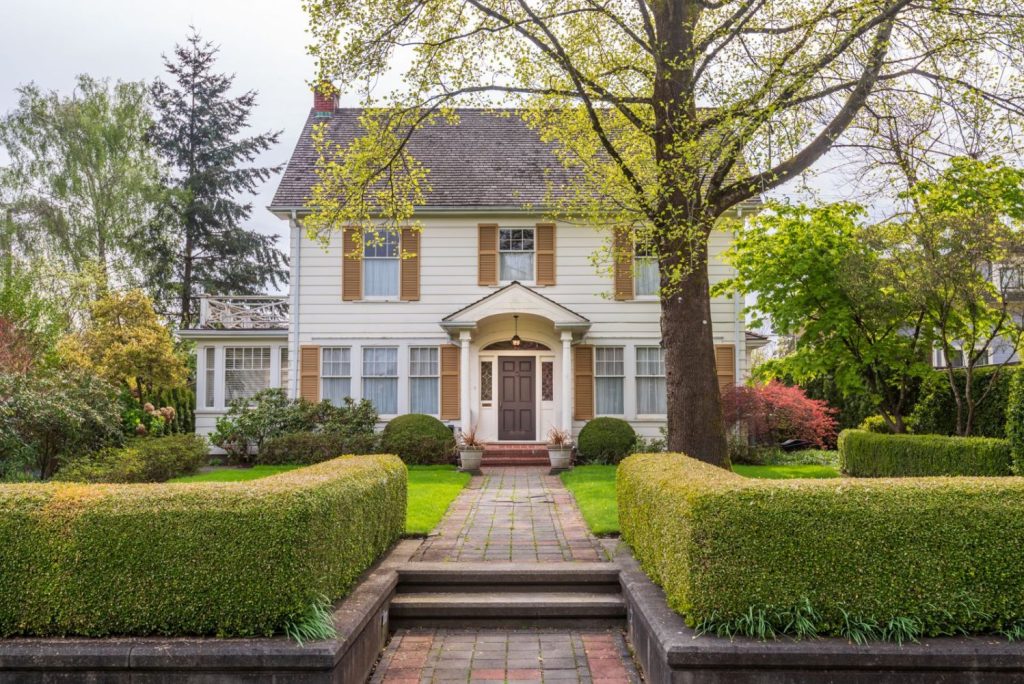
point(401, 358)
point(636, 380)
point(533, 280)
point(436, 376)
point(351, 390)
point(398, 280)
point(623, 349)
point(221, 391)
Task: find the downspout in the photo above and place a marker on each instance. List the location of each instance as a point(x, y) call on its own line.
point(293, 318)
point(740, 328)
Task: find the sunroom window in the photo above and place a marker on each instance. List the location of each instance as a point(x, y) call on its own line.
point(246, 372)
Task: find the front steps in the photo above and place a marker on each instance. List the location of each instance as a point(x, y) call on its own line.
point(502, 454)
point(508, 595)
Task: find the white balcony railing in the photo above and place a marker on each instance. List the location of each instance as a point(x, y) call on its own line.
point(243, 313)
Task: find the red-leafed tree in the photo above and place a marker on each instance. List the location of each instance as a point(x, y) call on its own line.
point(16, 352)
point(773, 412)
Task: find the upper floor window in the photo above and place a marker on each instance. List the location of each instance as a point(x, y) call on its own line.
point(645, 272)
point(650, 381)
point(380, 265)
point(380, 378)
point(246, 372)
point(609, 371)
point(424, 370)
point(516, 250)
point(335, 374)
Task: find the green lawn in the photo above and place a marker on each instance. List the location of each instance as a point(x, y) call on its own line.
point(431, 489)
point(593, 486)
point(786, 472)
point(236, 474)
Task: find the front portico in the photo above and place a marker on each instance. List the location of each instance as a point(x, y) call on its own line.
point(515, 393)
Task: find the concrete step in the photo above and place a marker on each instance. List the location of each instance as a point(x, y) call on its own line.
point(519, 577)
point(504, 609)
point(509, 462)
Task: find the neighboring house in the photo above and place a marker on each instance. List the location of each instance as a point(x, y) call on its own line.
point(495, 317)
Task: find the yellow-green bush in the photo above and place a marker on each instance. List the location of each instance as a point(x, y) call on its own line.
point(861, 559)
point(229, 559)
point(869, 454)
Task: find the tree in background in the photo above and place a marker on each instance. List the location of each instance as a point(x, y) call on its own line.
point(198, 134)
point(821, 274)
point(32, 316)
point(125, 343)
point(82, 183)
point(673, 113)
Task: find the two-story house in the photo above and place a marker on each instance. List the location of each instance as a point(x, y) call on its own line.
point(490, 316)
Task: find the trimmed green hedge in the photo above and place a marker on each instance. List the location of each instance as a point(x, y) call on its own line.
point(869, 454)
point(1015, 422)
point(605, 440)
point(304, 448)
point(419, 439)
point(227, 559)
point(935, 411)
point(150, 459)
point(865, 559)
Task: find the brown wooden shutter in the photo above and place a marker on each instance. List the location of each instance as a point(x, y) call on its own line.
point(725, 366)
point(622, 258)
point(487, 253)
point(583, 387)
point(410, 265)
point(351, 268)
point(450, 391)
point(545, 246)
point(309, 373)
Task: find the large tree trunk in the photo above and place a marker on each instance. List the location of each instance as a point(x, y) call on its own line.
point(695, 423)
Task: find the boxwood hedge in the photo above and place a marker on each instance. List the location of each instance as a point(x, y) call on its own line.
point(227, 559)
point(861, 559)
point(869, 454)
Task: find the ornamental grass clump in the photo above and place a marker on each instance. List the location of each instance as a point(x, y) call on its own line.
point(895, 559)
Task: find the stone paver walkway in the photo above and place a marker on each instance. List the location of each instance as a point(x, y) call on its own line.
point(512, 514)
point(425, 656)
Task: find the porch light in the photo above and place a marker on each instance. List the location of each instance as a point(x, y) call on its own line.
point(516, 340)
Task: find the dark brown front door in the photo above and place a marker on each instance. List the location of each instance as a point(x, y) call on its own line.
point(516, 398)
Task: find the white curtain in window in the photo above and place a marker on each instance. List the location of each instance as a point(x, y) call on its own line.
point(647, 279)
point(423, 380)
point(380, 378)
point(650, 381)
point(517, 266)
point(609, 370)
point(336, 372)
point(380, 277)
point(336, 389)
point(246, 372)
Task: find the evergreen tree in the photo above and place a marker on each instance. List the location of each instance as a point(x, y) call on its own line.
point(198, 133)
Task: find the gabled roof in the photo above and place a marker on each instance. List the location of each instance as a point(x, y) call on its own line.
point(487, 159)
point(515, 298)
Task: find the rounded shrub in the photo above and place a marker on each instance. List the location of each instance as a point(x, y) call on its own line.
point(606, 440)
point(419, 439)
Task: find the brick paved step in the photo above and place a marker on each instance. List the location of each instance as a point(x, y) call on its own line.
point(520, 577)
point(521, 609)
point(511, 462)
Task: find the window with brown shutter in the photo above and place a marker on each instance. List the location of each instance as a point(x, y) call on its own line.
point(487, 253)
point(450, 392)
point(583, 385)
point(622, 260)
point(410, 266)
point(309, 373)
point(545, 246)
point(351, 267)
point(725, 366)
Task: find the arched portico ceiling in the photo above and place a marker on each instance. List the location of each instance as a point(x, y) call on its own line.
point(515, 298)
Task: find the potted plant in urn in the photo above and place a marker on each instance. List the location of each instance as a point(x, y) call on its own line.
point(471, 451)
point(559, 449)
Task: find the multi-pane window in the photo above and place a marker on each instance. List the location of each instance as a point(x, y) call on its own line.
point(380, 378)
point(284, 368)
point(650, 381)
point(609, 371)
point(380, 264)
point(335, 374)
point(211, 376)
point(645, 271)
point(486, 380)
point(423, 380)
point(246, 372)
point(515, 246)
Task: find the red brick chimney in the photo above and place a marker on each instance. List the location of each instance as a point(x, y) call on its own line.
point(325, 104)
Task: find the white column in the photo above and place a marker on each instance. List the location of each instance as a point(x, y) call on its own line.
point(466, 418)
point(567, 380)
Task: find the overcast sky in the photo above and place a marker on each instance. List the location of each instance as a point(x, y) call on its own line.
point(263, 42)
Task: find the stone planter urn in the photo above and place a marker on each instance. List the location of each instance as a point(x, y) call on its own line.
point(560, 457)
point(469, 459)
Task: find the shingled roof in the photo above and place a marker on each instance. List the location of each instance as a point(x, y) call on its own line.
point(487, 159)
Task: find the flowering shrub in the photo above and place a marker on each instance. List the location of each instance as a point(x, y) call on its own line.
point(773, 413)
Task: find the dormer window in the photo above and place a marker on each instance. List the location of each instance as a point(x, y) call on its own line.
point(516, 250)
point(380, 265)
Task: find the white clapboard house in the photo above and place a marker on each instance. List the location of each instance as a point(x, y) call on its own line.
point(496, 317)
